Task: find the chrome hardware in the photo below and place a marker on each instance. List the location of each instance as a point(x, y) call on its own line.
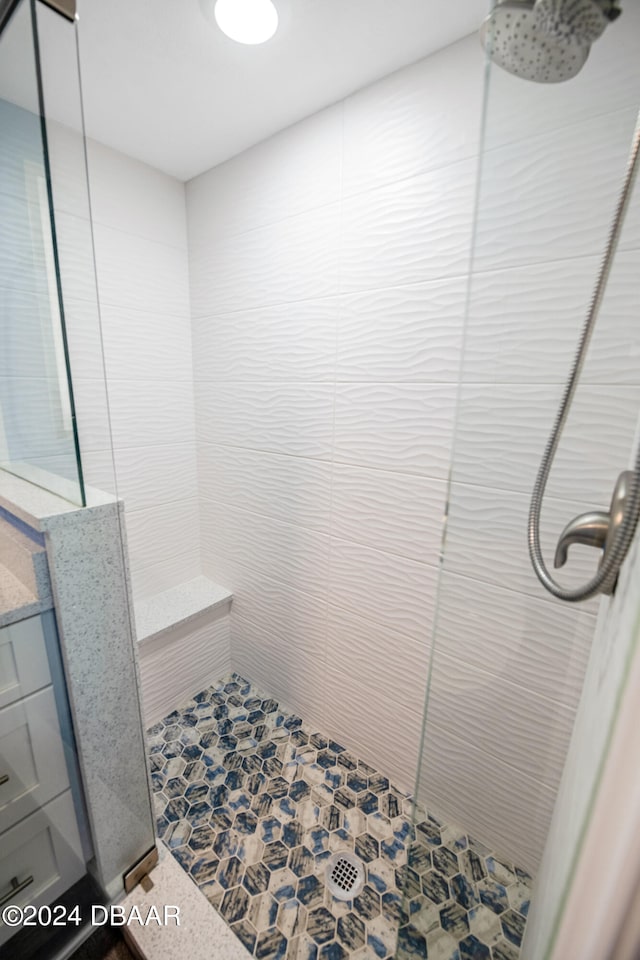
point(66, 7)
point(590, 529)
point(597, 528)
point(4, 779)
point(16, 887)
point(139, 874)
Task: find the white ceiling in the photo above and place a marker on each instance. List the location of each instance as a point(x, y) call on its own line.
point(162, 84)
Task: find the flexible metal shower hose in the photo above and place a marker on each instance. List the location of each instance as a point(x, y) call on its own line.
point(608, 570)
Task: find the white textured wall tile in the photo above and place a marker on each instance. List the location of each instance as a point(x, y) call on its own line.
point(139, 344)
point(393, 512)
point(548, 199)
point(605, 678)
point(515, 109)
point(92, 409)
point(140, 274)
point(291, 341)
point(525, 730)
point(182, 664)
point(294, 259)
point(166, 531)
point(406, 333)
point(286, 672)
point(285, 488)
point(402, 427)
point(356, 649)
point(18, 357)
point(143, 322)
point(84, 338)
point(290, 615)
point(22, 254)
point(424, 116)
point(74, 243)
point(394, 592)
point(153, 475)
point(495, 802)
point(67, 164)
point(284, 418)
point(492, 524)
point(382, 732)
point(503, 429)
point(515, 314)
point(166, 573)
point(288, 553)
point(534, 643)
point(413, 230)
point(135, 198)
point(99, 471)
point(149, 412)
point(296, 170)
point(327, 339)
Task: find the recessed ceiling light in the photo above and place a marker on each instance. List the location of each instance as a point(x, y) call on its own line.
point(247, 21)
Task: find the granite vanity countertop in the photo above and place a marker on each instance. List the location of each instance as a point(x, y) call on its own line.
point(17, 602)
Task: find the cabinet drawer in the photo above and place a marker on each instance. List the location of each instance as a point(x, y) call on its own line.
point(24, 666)
point(31, 756)
point(45, 847)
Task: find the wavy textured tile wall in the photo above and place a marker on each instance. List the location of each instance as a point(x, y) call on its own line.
point(328, 345)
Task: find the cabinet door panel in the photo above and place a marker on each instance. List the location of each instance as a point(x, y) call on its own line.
point(31, 756)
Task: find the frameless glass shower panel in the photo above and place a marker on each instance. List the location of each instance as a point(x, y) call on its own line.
point(67, 147)
point(508, 660)
point(38, 439)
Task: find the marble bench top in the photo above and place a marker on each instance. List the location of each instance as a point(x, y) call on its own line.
point(177, 606)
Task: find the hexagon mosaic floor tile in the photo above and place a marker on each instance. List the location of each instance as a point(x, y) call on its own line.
point(253, 806)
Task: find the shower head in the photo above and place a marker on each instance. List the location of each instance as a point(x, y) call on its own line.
point(547, 41)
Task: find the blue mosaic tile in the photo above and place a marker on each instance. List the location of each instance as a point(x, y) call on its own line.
point(512, 926)
point(203, 869)
point(351, 931)
point(393, 850)
point(221, 818)
point(368, 802)
point(253, 805)
point(292, 833)
point(411, 943)
point(299, 790)
point(230, 872)
point(246, 822)
point(256, 878)
point(435, 887)
point(310, 891)
point(473, 949)
point(176, 809)
point(246, 934)
point(235, 904)
point(332, 951)
point(367, 847)
point(453, 919)
point(367, 903)
point(464, 892)
point(275, 855)
point(493, 895)
point(445, 861)
point(321, 925)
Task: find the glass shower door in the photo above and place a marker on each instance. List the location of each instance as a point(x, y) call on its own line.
point(520, 681)
point(38, 436)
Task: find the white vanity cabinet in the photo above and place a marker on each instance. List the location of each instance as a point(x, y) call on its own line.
point(40, 847)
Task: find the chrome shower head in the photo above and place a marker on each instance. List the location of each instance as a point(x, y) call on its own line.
point(547, 41)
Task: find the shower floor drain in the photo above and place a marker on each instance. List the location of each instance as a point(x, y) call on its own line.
point(345, 875)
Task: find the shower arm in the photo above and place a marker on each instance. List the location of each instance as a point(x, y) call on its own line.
point(605, 578)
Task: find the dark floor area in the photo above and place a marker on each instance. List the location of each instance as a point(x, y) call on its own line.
point(105, 944)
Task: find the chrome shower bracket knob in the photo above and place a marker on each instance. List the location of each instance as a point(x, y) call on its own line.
point(598, 529)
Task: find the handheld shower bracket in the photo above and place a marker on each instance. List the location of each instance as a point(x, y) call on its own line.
point(597, 528)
